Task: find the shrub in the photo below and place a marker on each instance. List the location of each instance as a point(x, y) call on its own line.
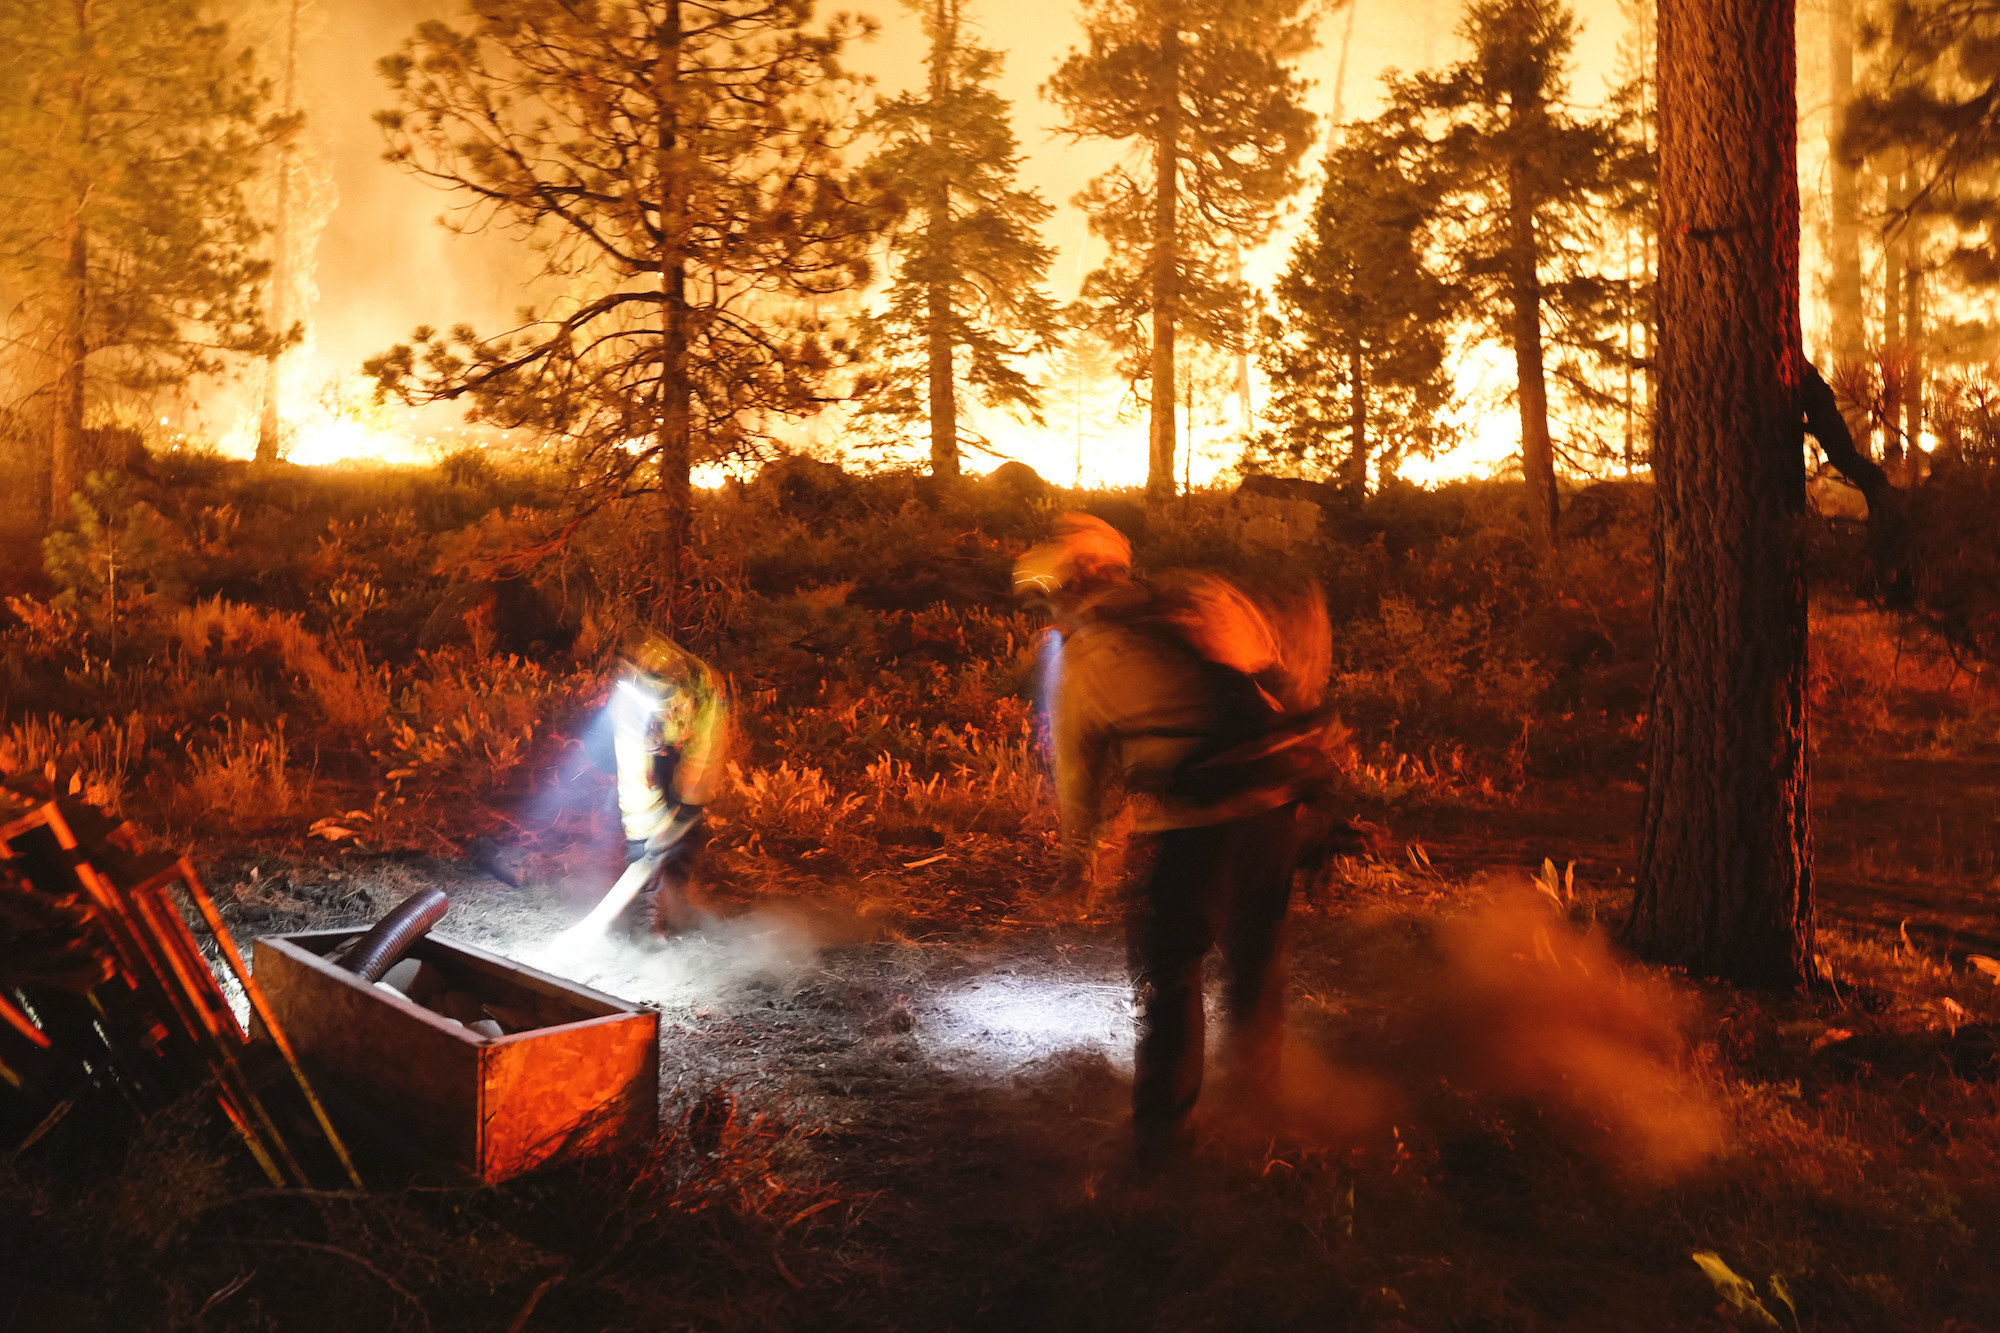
point(241, 779)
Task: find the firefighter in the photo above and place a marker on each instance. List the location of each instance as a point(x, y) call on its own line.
point(671, 729)
point(1177, 691)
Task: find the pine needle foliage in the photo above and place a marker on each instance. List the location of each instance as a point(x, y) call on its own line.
point(1355, 347)
point(1527, 181)
point(1929, 107)
point(681, 169)
point(129, 130)
point(1204, 93)
point(967, 301)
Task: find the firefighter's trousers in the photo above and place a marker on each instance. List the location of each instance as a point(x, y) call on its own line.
point(662, 905)
point(1225, 884)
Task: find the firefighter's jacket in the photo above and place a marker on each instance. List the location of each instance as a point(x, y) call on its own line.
point(1131, 703)
point(672, 740)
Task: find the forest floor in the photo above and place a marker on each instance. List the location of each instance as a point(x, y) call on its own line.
point(953, 1086)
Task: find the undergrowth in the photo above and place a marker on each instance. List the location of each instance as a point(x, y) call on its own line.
point(358, 659)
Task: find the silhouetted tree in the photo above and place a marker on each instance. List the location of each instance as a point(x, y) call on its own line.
point(969, 265)
point(1923, 121)
point(1532, 182)
point(128, 131)
point(1634, 207)
point(1844, 298)
point(1725, 866)
point(1203, 92)
point(1354, 347)
point(681, 169)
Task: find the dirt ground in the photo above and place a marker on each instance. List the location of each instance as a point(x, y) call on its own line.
point(960, 1089)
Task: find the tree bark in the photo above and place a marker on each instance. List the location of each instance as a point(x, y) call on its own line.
point(1538, 459)
point(1844, 232)
point(71, 345)
point(72, 351)
point(1725, 867)
point(1912, 246)
point(1166, 271)
point(1354, 468)
point(675, 426)
point(937, 292)
point(269, 424)
point(1895, 362)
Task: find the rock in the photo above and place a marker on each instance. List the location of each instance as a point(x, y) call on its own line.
point(806, 487)
point(1280, 512)
point(1288, 488)
point(1020, 481)
point(1128, 516)
point(402, 977)
point(1606, 506)
point(507, 864)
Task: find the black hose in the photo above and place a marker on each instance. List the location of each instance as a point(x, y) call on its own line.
point(390, 938)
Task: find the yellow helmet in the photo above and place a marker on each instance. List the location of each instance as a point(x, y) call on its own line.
point(1086, 548)
point(651, 653)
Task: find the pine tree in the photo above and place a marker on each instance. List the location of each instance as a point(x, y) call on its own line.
point(128, 132)
point(1531, 182)
point(1634, 215)
point(1202, 91)
point(681, 169)
point(1725, 865)
point(294, 217)
point(1922, 121)
point(967, 299)
point(1355, 348)
point(1844, 299)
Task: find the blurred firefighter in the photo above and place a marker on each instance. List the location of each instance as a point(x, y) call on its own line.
point(670, 732)
point(1184, 692)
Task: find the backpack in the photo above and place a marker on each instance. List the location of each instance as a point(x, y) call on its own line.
point(1271, 731)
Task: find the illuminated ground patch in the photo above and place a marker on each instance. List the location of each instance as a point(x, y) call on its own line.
point(997, 1023)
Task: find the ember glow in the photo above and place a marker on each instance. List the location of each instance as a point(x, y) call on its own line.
point(344, 422)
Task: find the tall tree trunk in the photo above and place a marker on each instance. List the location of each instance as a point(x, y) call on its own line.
point(1848, 338)
point(937, 245)
point(1913, 347)
point(1354, 467)
point(1245, 410)
point(675, 447)
point(72, 349)
point(1895, 346)
point(71, 346)
point(283, 280)
point(1631, 349)
point(1538, 455)
point(943, 389)
point(1725, 866)
point(1166, 271)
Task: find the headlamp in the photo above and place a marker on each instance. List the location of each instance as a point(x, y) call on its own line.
point(638, 696)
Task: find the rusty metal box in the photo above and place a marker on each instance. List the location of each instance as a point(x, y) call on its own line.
point(583, 1074)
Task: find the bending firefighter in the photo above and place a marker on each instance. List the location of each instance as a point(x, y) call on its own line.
point(671, 729)
point(1182, 692)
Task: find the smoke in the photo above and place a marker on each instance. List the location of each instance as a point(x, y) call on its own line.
point(724, 958)
point(1511, 1006)
point(1527, 1006)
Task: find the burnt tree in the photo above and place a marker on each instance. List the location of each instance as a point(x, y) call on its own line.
point(1725, 868)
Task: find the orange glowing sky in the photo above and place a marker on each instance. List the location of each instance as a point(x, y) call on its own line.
point(384, 266)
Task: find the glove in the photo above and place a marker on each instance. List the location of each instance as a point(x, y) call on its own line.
point(682, 822)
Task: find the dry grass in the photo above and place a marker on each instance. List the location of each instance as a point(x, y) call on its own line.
point(1512, 1128)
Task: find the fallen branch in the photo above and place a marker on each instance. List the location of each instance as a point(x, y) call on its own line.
point(335, 1250)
